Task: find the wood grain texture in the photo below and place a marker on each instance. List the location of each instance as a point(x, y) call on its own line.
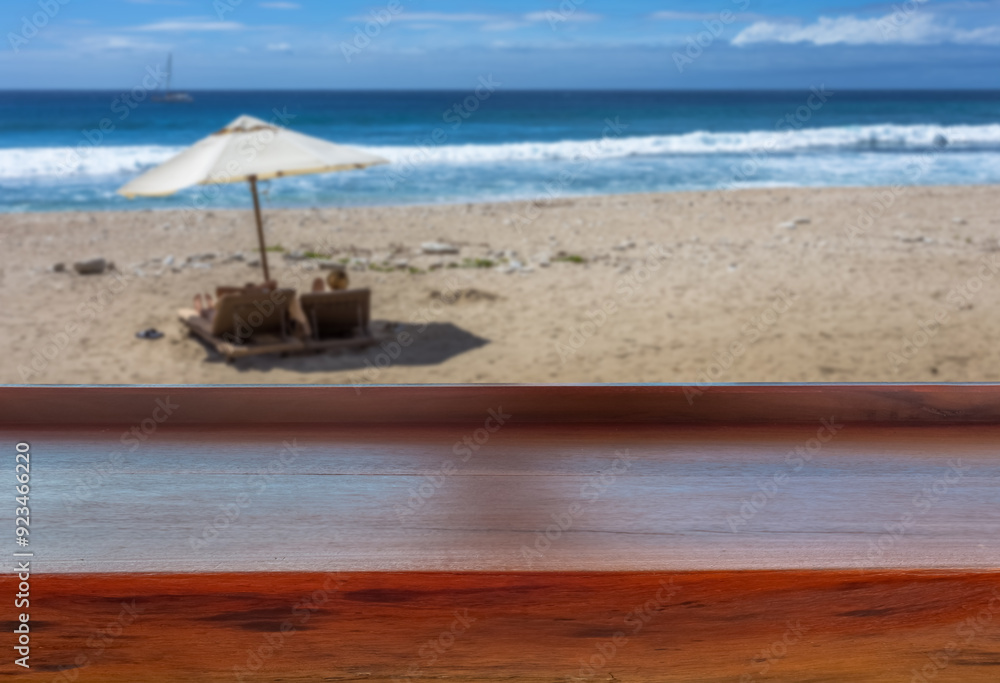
point(466, 533)
point(608, 403)
point(709, 627)
point(531, 497)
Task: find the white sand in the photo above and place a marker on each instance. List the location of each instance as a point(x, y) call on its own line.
point(713, 288)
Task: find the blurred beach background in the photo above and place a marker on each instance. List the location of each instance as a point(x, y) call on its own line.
point(500, 145)
point(553, 221)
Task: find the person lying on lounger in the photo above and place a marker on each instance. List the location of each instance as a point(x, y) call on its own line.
point(337, 279)
point(205, 305)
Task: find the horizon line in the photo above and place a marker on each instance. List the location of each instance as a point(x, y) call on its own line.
point(995, 89)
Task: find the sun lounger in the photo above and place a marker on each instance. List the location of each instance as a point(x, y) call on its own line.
point(341, 314)
point(247, 323)
point(335, 320)
point(252, 322)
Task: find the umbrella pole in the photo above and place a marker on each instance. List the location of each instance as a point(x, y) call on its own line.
point(260, 228)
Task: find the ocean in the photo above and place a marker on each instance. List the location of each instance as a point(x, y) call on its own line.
point(72, 150)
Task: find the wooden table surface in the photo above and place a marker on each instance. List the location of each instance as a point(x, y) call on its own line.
point(851, 537)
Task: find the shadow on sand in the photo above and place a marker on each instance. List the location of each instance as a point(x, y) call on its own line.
point(432, 344)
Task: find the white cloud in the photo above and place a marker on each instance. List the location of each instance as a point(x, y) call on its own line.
point(103, 43)
point(189, 25)
point(279, 47)
point(916, 28)
point(668, 15)
point(441, 16)
point(493, 22)
point(488, 22)
point(557, 17)
point(280, 5)
point(684, 16)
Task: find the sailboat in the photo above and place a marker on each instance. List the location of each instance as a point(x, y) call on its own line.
point(168, 96)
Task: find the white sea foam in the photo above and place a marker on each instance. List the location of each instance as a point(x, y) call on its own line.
point(39, 162)
point(880, 137)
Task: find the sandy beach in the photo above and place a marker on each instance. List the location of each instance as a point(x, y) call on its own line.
point(769, 285)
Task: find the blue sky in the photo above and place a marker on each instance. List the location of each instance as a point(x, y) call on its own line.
point(49, 44)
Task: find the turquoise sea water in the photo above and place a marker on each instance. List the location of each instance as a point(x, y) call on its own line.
point(459, 147)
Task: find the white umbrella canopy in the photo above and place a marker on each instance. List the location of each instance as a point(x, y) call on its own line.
point(248, 149)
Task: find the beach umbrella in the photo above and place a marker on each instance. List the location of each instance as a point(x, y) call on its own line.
point(248, 149)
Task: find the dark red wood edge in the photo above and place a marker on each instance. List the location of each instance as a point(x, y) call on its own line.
point(56, 406)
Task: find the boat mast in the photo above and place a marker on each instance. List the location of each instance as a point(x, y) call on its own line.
point(170, 68)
